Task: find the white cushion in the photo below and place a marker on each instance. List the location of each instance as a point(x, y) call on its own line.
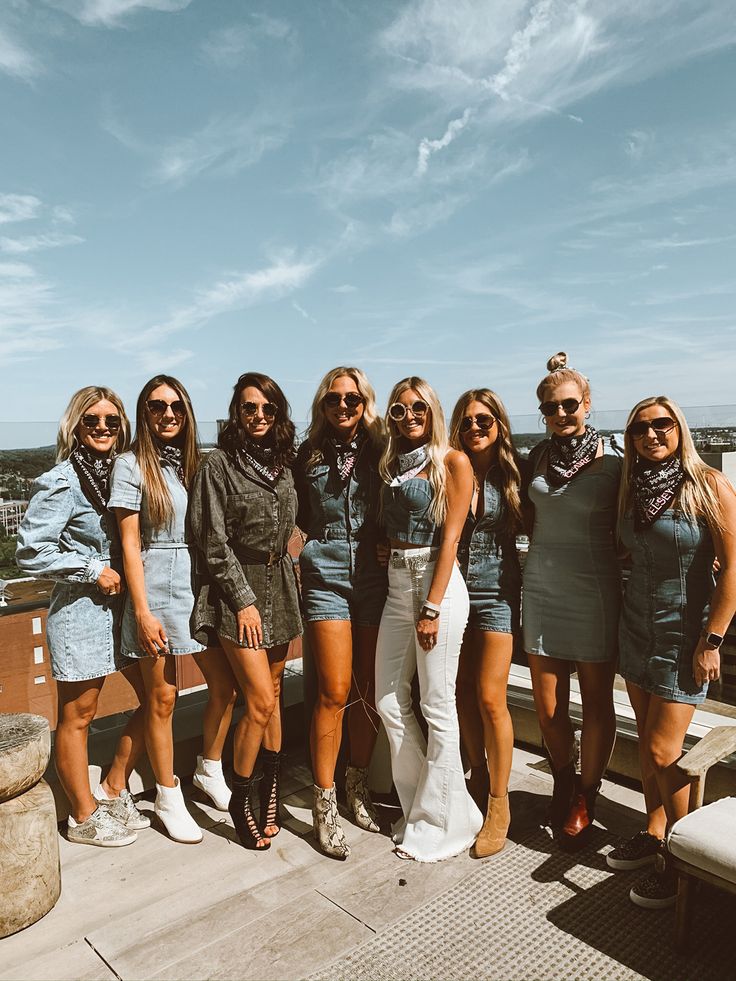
point(707, 838)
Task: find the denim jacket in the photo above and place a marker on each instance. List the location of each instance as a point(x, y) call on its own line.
point(487, 551)
point(61, 536)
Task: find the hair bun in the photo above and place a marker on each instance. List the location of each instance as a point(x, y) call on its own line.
point(557, 362)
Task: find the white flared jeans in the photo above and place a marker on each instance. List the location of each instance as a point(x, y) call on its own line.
point(440, 817)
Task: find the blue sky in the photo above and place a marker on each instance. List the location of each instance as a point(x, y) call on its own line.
point(454, 188)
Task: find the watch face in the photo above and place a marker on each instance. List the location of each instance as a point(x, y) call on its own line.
point(713, 640)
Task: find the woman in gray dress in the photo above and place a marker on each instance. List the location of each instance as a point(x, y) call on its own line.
point(68, 535)
point(149, 495)
point(572, 594)
point(242, 515)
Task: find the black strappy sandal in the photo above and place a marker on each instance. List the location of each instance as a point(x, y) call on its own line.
point(270, 787)
point(241, 811)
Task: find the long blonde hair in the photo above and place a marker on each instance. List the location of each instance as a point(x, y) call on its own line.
point(558, 373)
point(371, 422)
point(696, 497)
point(507, 459)
point(85, 398)
point(146, 450)
point(437, 446)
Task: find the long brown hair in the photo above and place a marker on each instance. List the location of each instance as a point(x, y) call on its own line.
point(147, 451)
point(507, 459)
point(232, 434)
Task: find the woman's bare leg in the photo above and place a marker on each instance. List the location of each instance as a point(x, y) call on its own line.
point(159, 678)
point(656, 817)
point(363, 720)
point(666, 727)
point(331, 645)
point(132, 743)
point(253, 674)
point(494, 661)
point(272, 734)
point(599, 720)
point(77, 707)
point(221, 695)
point(551, 689)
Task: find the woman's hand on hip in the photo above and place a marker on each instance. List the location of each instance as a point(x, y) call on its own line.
point(109, 582)
point(706, 663)
point(250, 628)
point(151, 635)
point(427, 631)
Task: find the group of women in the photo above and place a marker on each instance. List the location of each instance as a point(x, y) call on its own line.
point(409, 577)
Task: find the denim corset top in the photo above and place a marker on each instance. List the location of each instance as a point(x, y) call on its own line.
point(406, 512)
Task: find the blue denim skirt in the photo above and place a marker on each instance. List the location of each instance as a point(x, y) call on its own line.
point(83, 632)
point(341, 580)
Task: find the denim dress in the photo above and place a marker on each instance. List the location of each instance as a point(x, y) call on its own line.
point(167, 565)
point(63, 538)
point(490, 565)
point(666, 605)
point(340, 575)
point(241, 526)
point(405, 512)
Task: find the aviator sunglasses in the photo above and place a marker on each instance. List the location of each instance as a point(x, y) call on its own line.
point(568, 407)
point(157, 407)
point(352, 400)
point(91, 421)
point(250, 409)
point(662, 425)
point(484, 421)
point(398, 410)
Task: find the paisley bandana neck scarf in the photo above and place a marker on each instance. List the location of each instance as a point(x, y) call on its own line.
point(655, 486)
point(568, 455)
point(93, 471)
point(346, 454)
point(409, 464)
point(261, 459)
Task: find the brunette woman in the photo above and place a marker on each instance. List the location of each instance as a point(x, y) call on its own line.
point(426, 496)
point(675, 516)
point(68, 535)
point(343, 589)
point(490, 564)
point(572, 594)
point(149, 495)
point(242, 515)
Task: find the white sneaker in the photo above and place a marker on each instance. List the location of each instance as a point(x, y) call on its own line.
point(100, 828)
point(208, 777)
point(123, 809)
point(170, 809)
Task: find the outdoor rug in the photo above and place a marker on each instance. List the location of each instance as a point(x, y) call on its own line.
point(533, 913)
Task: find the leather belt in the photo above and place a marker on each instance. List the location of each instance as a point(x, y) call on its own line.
point(252, 556)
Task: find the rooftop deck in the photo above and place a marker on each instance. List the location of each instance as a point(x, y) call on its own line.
point(157, 909)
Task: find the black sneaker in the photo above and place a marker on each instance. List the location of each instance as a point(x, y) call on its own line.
point(634, 853)
point(657, 890)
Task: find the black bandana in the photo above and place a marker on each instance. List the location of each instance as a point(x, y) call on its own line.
point(409, 464)
point(261, 459)
point(93, 471)
point(655, 486)
point(173, 455)
point(568, 455)
point(346, 454)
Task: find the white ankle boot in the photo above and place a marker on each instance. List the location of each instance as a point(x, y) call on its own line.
point(209, 779)
point(171, 810)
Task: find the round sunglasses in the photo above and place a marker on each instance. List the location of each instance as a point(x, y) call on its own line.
point(568, 406)
point(91, 421)
point(351, 399)
point(250, 409)
point(661, 426)
point(397, 411)
point(484, 421)
point(157, 407)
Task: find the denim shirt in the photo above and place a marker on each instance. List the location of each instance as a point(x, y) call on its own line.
point(126, 491)
point(330, 508)
point(406, 512)
point(61, 536)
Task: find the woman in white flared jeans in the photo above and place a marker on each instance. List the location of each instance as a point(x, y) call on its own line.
point(425, 500)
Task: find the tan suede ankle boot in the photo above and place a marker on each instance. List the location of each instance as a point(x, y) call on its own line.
point(492, 835)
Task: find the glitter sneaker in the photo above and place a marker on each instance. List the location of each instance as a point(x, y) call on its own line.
point(634, 853)
point(124, 810)
point(100, 828)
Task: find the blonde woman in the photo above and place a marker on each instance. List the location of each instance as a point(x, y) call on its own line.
point(149, 495)
point(427, 493)
point(489, 562)
point(675, 516)
point(343, 589)
point(572, 594)
point(68, 535)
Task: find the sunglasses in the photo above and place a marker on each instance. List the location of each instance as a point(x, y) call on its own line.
point(484, 421)
point(90, 421)
point(352, 400)
point(398, 410)
point(663, 425)
point(157, 407)
point(250, 409)
point(568, 407)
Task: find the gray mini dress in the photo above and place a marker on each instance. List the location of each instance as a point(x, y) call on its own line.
point(572, 580)
point(63, 538)
point(167, 566)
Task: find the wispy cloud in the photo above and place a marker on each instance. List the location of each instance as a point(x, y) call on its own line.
point(344, 288)
point(111, 13)
point(673, 242)
point(16, 60)
point(302, 312)
point(637, 143)
point(18, 207)
point(37, 243)
point(427, 147)
point(420, 218)
point(227, 47)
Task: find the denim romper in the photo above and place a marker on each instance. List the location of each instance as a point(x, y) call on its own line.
point(405, 512)
point(490, 565)
point(666, 605)
point(166, 560)
point(340, 575)
point(63, 538)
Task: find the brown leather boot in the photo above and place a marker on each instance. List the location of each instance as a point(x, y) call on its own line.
point(563, 793)
point(576, 829)
point(492, 836)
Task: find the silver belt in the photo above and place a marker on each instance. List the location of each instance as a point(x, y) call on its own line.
point(412, 558)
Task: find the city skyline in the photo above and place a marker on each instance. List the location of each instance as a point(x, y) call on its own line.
point(452, 189)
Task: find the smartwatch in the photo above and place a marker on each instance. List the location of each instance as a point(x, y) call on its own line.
point(712, 640)
point(428, 614)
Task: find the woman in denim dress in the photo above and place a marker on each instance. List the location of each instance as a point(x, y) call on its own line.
point(68, 535)
point(572, 594)
point(242, 516)
point(343, 589)
point(675, 516)
point(490, 564)
point(149, 495)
